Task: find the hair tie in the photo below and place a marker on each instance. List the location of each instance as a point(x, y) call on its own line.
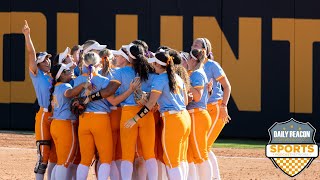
point(169, 59)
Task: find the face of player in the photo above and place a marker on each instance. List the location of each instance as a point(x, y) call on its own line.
point(184, 63)
point(120, 61)
point(45, 65)
point(75, 57)
point(68, 60)
point(197, 44)
point(157, 68)
point(192, 63)
point(66, 76)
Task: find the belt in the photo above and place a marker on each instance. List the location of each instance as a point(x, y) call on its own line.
point(113, 107)
point(169, 112)
point(195, 110)
point(44, 109)
point(214, 103)
point(96, 112)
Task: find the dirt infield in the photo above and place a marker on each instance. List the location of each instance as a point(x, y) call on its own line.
point(18, 157)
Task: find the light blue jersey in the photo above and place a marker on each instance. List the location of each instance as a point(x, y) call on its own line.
point(61, 104)
point(198, 79)
point(213, 70)
point(168, 101)
point(41, 83)
point(99, 82)
point(110, 75)
point(146, 85)
point(124, 76)
point(77, 71)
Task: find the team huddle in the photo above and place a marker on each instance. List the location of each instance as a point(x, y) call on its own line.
point(131, 113)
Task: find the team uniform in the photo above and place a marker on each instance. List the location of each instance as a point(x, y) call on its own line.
point(213, 70)
point(42, 82)
point(144, 129)
point(94, 124)
point(176, 120)
point(63, 129)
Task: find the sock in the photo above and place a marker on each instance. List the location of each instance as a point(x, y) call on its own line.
point(185, 169)
point(205, 170)
point(82, 172)
point(152, 169)
point(39, 176)
point(174, 173)
point(192, 174)
point(118, 163)
point(53, 173)
point(62, 173)
point(126, 170)
point(73, 169)
point(104, 171)
point(49, 170)
point(214, 163)
point(114, 172)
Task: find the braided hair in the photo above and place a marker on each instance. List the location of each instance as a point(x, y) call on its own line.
point(54, 72)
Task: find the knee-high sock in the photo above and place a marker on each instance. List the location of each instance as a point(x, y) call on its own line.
point(162, 171)
point(126, 170)
point(118, 163)
point(192, 173)
point(215, 166)
point(104, 171)
point(185, 169)
point(62, 173)
point(114, 172)
point(152, 169)
point(174, 173)
point(205, 170)
point(82, 172)
point(73, 169)
point(53, 173)
point(49, 170)
point(39, 176)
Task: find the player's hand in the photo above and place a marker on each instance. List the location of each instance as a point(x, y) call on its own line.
point(224, 114)
point(210, 84)
point(130, 123)
point(135, 83)
point(26, 29)
point(190, 97)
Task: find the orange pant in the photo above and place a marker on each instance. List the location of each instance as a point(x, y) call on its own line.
point(95, 132)
point(115, 117)
point(77, 156)
point(42, 132)
point(65, 139)
point(185, 143)
point(146, 130)
point(217, 124)
point(200, 124)
point(174, 134)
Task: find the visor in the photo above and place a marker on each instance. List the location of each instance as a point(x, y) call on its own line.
point(42, 56)
point(94, 46)
point(63, 55)
point(154, 59)
point(63, 67)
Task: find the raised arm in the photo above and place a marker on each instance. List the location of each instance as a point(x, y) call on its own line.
point(30, 48)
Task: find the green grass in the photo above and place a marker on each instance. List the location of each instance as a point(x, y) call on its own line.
point(240, 143)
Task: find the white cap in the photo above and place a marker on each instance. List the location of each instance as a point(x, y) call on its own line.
point(94, 46)
point(120, 53)
point(63, 67)
point(42, 56)
point(63, 55)
point(154, 59)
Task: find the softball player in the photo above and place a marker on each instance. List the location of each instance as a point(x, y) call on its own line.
point(62, 128)
point(135, 64)
point(217, 103)
point(200, 118)
point(168, 90)
point(39, 66)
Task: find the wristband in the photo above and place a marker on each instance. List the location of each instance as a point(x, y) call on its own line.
point(95, 96)
point(143, 111)
point(223, 105)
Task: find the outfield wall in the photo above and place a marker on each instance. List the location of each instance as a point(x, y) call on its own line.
point(269, 49)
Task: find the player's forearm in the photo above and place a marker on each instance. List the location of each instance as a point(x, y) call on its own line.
point(115, 100)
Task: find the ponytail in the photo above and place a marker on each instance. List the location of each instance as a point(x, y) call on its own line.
point(171, 75)
point(140, 63)
point(53, 83)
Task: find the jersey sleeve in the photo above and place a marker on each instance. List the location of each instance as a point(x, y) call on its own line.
point(65, 87)
point(105, 82)
point(197, 80)
point(157, 85)
point(217, 72)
